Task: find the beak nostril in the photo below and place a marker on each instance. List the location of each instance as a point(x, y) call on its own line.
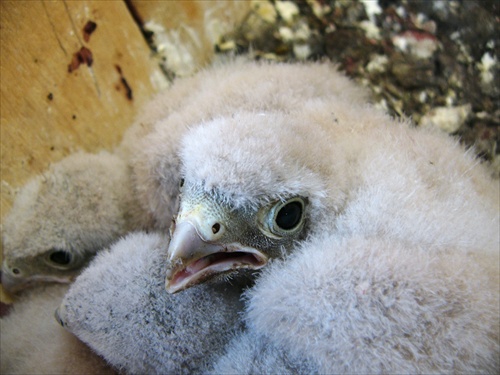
point(215, 228)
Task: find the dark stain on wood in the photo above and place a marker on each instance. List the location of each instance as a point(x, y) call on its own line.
point(88, 29)
point(83, 56)
point(148, 35)
point(124, 83)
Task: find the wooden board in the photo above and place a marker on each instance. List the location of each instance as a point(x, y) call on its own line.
point(48, 112)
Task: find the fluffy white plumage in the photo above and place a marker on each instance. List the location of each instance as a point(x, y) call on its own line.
point(119, 306)
point(397, 269)
point(64, 216)
point(32, 342)
point(370, 305)
point(219, 94)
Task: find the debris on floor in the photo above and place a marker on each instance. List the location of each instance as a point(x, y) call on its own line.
point(433, 61)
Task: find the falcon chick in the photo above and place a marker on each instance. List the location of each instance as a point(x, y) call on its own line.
point(304, 165)
point(61, 218)
point(377, 241)
point(281, 153)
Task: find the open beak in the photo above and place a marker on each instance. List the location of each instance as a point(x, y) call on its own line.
point(194, 259)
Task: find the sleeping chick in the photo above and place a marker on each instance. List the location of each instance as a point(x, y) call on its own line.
point(60, 219)
point(33, 343)
point(287, 166)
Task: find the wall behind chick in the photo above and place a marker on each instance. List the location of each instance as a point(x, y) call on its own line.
point(75, 74)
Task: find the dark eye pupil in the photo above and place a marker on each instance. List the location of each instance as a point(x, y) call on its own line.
point(60, 257)
point(289, 216)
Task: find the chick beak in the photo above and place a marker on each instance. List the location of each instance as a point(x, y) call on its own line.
point(13, 283)
point(9, 283)
point(194, 259)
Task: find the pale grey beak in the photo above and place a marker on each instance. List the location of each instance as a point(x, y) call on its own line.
point(11, 282)
point(194, 260)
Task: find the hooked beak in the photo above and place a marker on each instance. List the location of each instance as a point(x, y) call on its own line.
point(13, 283)
point(194, 259)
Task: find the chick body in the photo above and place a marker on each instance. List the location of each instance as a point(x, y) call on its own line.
point(369, 305)
point(120, 308)
point(32, 342)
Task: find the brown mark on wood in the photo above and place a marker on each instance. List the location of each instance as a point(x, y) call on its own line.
point(123, 81)
point(148, 35)
point(88, 29)
point(83, 56)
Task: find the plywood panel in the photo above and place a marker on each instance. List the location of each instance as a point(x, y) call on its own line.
point(47, 111)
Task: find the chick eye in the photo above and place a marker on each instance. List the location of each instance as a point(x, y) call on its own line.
point(60, 257)
point(181, 183)
point(288, 217)
point(283, 218)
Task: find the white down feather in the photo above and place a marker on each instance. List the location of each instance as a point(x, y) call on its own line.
point(32, 342)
